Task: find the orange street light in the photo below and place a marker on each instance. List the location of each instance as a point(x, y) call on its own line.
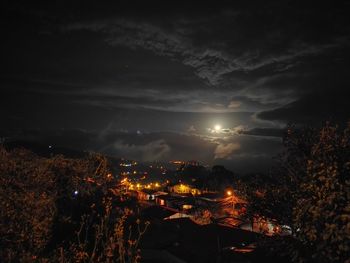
point(229, 193)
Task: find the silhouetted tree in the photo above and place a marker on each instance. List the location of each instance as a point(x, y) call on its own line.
point(322, 211)
point(218, 179)
point(311, 193)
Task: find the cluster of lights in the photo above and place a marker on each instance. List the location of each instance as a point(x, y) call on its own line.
point(128, 164)
point(127, 173)
point(177, 162)
point(156, 167)
point(139, 186)
point(184, 188)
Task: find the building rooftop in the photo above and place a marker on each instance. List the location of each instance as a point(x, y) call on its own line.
point(195, 243)
point(157, 212)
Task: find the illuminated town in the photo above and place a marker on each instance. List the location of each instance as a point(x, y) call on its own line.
point(171, 187)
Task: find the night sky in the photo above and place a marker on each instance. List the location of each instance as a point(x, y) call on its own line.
point(151, 81)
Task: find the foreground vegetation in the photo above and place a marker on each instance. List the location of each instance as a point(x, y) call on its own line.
point(309, 191)
point(63, 210)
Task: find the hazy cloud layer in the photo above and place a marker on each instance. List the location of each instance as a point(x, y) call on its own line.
point(152, 151)
point(164, 146)
point(225, 151)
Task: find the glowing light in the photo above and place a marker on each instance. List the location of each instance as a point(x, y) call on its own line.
point(217, 127)
point(229, 193)
point(125, 180)
point(76, 192)
point(185, 207)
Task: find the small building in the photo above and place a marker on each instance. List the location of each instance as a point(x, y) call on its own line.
point(211, 197)
point(184, 189)
point(176, 202)
point(267, 227)
point(177, 216)
point(156, 212)
point(146, 195)
point(165, 200)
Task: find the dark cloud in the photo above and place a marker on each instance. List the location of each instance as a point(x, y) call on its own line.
point(243, 153)
point(263, 132)
point(242, 103)
point(214, 61)
point(216, 48)
point(312, 109)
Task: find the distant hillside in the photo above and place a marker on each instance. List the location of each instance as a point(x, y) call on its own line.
point(45, 150)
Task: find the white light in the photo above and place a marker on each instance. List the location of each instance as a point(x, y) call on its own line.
point(76, 192)
point(217, 127)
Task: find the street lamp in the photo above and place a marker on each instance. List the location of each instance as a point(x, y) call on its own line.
point(229, 193)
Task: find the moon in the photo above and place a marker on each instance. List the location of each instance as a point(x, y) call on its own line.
point(217, 127)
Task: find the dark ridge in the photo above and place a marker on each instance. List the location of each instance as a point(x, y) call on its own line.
point(45, 150)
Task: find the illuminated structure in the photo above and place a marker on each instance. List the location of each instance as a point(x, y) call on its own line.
point(184, 189)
